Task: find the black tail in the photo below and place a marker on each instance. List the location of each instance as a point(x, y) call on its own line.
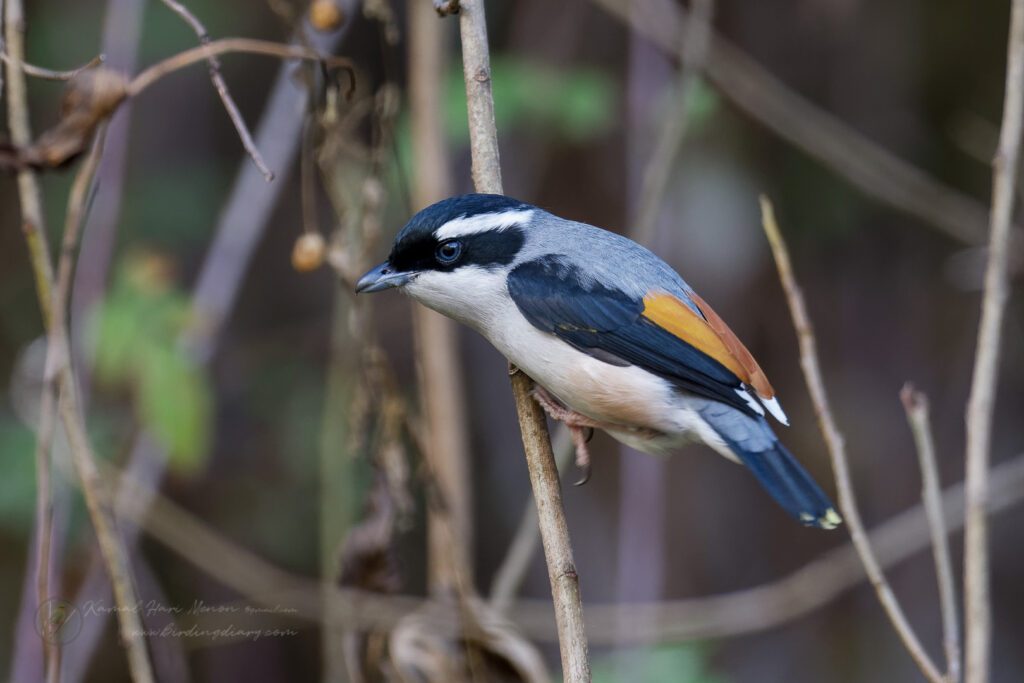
point(788, 483)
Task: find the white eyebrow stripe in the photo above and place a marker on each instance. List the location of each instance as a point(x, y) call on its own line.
point(471, 225)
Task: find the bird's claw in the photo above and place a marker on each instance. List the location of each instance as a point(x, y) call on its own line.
point(580, 438)
point(584, 475)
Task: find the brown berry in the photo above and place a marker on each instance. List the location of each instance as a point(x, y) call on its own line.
point(308, 252)
point(325, 15)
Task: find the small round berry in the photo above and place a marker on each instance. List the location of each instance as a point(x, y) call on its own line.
point(308, 252)
point(325, 15)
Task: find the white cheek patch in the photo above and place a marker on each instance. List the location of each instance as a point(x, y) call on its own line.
point(486, 222)
point(470, 294)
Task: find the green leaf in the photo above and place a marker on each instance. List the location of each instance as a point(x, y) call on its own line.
point(672, 663)
point(174, 403)
point(573, 103)
point(111, 334)
point(18, 485)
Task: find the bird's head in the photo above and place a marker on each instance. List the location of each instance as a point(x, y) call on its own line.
point(453, 256)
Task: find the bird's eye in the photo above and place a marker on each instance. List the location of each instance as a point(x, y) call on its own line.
point(449, 252)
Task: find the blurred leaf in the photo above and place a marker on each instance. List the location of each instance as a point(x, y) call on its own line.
point(174, 403)
point(673, 663)
point(704, 102)
point(18, 485)
point(133, 338)
point(574, 103)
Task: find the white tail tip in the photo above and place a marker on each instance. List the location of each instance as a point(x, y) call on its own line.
point(772, 404)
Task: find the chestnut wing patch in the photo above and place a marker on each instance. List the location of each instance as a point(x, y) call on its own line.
point(708, 333)
point(614, 327)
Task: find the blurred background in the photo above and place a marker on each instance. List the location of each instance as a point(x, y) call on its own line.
point(236, 373)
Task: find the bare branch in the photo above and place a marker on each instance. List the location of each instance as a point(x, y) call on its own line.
point(31, 206)
point(915, 404)
point(40, 72)
point(692, 53)
point(547, 492)
point(741, 612)
point(442, 397)
point(241, 45)
point(222, 89)
point(29, 194)
point(981, 402)
point(837, 447)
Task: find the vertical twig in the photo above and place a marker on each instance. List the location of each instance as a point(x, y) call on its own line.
point(981, 403)
point(33, 221)
point(53, 365)
point(442, 398)
point(696, 34)
point(483, 139)
point(915, 404)
point(31, 206)
point(837, 446)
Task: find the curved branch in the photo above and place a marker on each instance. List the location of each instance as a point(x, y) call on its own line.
point(228, 45)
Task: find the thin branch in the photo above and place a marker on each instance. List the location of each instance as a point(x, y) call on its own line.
point(31, 206)
point(741, 612)
point(981, 402)
point(33, 221)
point(837, 446)
point(915, 404)
point(54, 363)
point(34, 227)
point(854, 157)
point(48, 74)
point(483, 137)
point(778, 602)
point(238, 45)
point(442, 396)
point(96, 495)
point(222, 89)
point(692, 53)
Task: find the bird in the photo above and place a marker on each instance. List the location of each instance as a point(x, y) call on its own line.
point(611, 335)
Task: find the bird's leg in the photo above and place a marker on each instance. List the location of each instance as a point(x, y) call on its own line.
point(579, 425)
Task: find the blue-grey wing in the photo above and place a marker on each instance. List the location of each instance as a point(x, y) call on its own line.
point(607, 323)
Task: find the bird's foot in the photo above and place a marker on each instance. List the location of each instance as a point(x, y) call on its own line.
point(581, 427)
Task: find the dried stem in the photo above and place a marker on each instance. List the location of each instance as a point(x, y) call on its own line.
point(95, 496)
point(226, 45)
point(442, 398)
point(915, 404)
point(981, 402)
point(222, 89)
point(862, 162)
point(53, 365)
point(837, 447)
point(48, 74)
point(33, 221)
point(539, 458)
